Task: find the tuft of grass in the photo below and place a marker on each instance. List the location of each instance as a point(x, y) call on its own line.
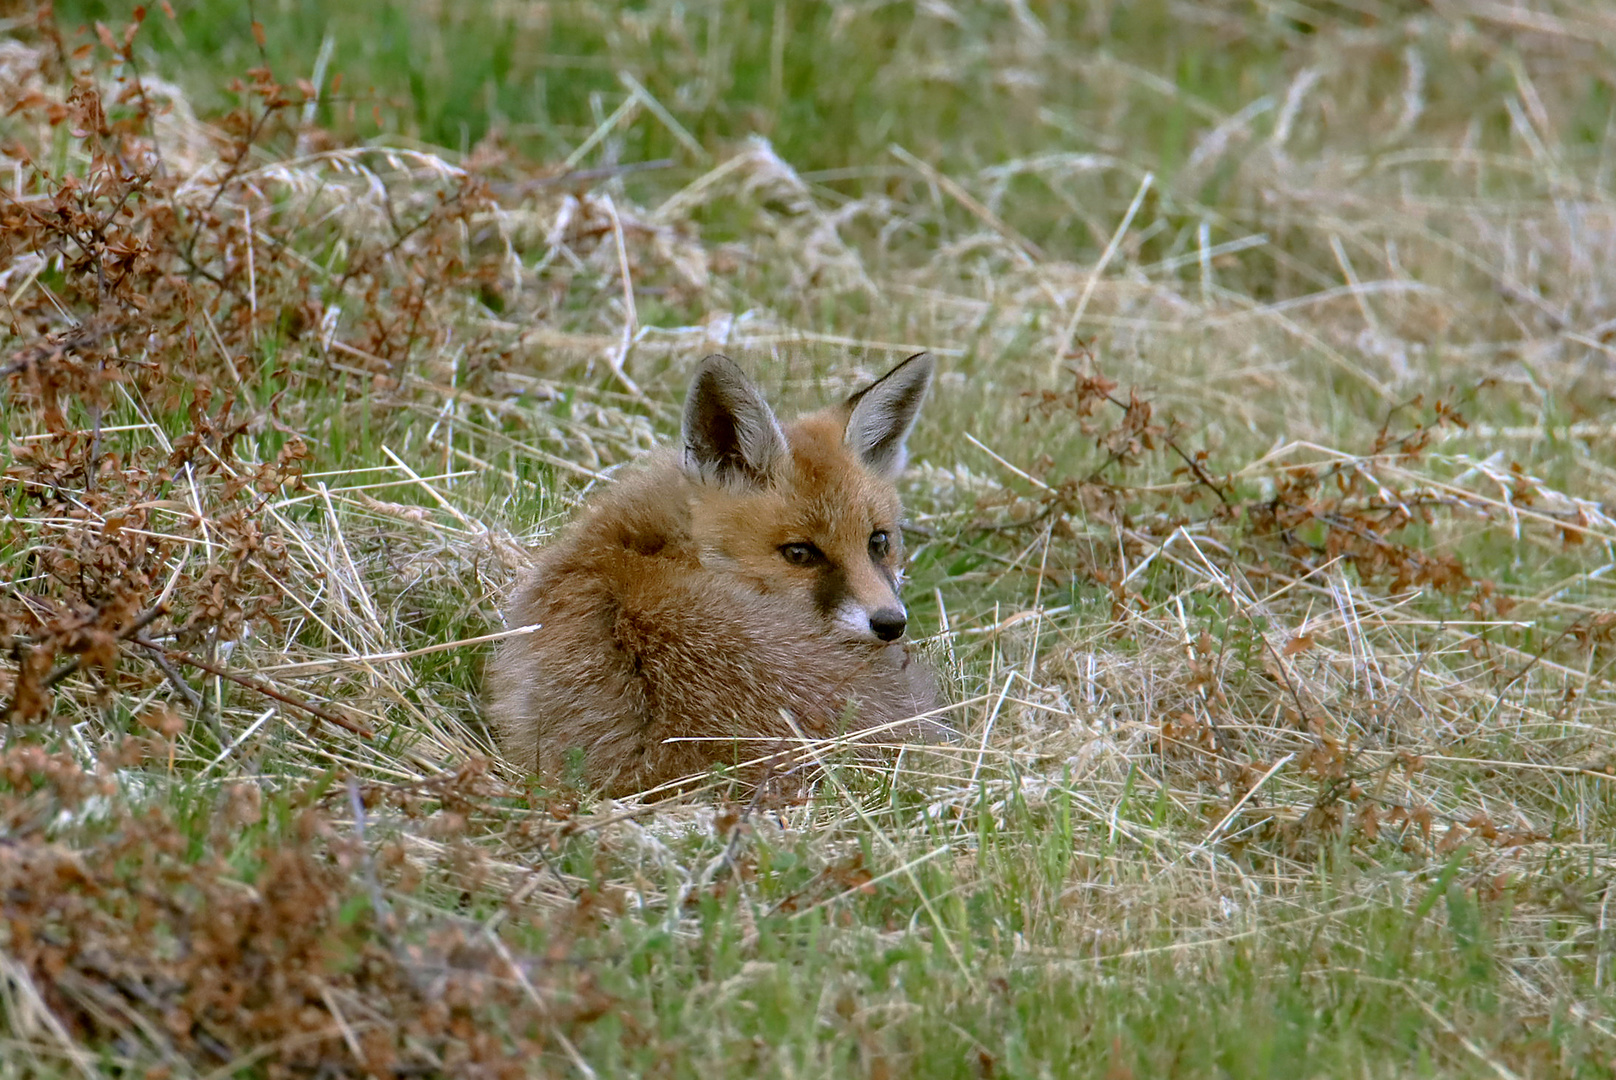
point(1259, 521)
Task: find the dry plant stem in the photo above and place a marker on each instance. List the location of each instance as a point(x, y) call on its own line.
point(579, 178)
point(378, 903)
point(177, 681)
point(402, 236)
point(920, 890)
point(253, 684)
point(242, 152)
point(146, 618)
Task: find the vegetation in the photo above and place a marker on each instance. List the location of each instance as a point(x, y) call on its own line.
point(1259, 525)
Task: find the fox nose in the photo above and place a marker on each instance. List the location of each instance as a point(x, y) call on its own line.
point(888, 623)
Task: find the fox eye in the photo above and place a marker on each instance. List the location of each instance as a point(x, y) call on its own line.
point(880, 544)
point(801, 554)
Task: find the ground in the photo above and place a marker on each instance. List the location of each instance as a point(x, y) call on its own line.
point(1259, 524)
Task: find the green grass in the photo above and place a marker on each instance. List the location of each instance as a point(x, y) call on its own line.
point(1237, 794)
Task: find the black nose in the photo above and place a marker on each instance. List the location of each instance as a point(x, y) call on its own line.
point(888, 623)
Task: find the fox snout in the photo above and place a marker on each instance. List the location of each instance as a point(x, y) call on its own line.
point(859, 592)
point(886, 623)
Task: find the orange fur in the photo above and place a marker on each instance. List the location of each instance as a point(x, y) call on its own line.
point(670, 608)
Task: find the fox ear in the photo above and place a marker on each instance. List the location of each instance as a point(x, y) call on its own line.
point(730, 433)
point(880, 415)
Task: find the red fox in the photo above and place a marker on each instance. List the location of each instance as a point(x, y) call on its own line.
point(747, 576)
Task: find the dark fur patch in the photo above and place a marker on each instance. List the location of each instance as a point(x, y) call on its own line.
point(830, 590)
point(645, 543)
point(887, 574)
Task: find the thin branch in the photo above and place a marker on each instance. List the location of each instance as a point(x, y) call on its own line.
point(262, 688)
point(145, 619)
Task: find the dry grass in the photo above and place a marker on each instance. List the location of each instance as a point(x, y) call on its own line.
point(1259, 518)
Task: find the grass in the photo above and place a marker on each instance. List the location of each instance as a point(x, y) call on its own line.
point(1284, 684)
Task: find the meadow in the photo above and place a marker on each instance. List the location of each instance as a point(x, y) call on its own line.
point(1260, 525)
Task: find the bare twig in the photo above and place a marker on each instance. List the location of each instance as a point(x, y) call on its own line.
point(62, 671)
point(259, 687)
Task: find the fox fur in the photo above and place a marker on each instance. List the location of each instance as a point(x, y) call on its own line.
point(732, 591)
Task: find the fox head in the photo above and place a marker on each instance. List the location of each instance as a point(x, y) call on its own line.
point(806, 509)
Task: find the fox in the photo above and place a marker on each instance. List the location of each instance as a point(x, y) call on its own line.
point(723, 598)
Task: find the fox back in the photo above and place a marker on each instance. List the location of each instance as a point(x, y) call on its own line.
point(723, 597)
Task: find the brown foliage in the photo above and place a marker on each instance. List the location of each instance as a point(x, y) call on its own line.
point(1315, 514)
point(263, 947)
point(258, 931)
point(154, 284)
point(1265, 530)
